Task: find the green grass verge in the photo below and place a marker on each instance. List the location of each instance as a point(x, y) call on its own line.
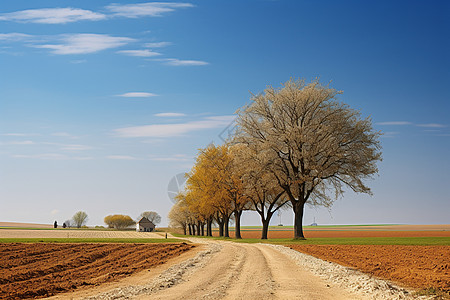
point(414, 241)
point(88, 240)
point(275, 227)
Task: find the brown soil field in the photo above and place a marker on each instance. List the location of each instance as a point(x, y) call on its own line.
point(285, 234)
point(419, 267)
point(83, 234)
point(44, 269)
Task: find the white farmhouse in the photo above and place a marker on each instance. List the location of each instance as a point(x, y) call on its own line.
point(145, 225)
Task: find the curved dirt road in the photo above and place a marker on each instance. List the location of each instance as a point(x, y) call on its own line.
point(251, 271)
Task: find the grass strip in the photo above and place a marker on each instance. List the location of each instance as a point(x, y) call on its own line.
point(89, 240)
point(413, 241)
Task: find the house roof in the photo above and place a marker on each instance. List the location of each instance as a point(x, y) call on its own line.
point(145, 221)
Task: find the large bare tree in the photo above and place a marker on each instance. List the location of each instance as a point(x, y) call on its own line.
point(316, 145)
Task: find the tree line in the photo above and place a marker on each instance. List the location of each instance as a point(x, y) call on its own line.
point(116, 221)
point(292, 146)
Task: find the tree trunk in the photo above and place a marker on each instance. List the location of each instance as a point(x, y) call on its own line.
point(209, 227)
point(184, 229)
point(220, 221)
point(226, 221)
point(298, 218)
point(190, 229)
point(265, 229)
point(237, 215)
point(202, 228)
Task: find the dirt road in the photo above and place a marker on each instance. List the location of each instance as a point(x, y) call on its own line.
point(225, 270)
point(251, 271)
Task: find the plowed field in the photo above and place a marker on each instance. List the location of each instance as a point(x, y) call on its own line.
point(414, 266)
point(41, 270)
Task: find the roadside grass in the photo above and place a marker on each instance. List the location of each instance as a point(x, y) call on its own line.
point(276, 227)
point(90, 240)
point(413, 241)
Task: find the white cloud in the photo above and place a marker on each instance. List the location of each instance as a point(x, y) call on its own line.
point(432, 125)
point(139, 53)
point(150, 9)
point(179, 62)
point(52, 15)
point(52, 156)
point(14, 36)
point(75, 147)
point(170, 130)
point(65, 134)
point(169, 115)
point(20, 143)
point(137, 95)
point(84, 43)
point(176, 157)
point(78, 61)
point(394, 123)
point(15, 134)
point(390, 134)
point(158, 44)
point(121, 157)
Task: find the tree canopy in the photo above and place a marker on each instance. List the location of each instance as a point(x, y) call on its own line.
point(293, 145)
point(119, 221)
point(80, 219)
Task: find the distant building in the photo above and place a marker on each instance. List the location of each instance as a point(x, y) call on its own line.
point(145, 225)
point(314, 223)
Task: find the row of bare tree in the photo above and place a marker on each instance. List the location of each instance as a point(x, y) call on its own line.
point(292, 146)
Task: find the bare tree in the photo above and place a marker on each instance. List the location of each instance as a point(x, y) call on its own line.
point(67, 223)
point(179, 214)
point(315, 144)
point(260, 186)
point(80, 218)
point(152, 216)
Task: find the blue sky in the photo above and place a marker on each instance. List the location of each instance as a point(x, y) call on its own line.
point(103, 102)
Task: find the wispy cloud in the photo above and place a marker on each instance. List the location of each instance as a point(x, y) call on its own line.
point(137, 95)
point(52, 15)
point(150, 9)
point(121, 157)
point(16, 134)
point(157, 44)
point(170, 130)
point(432, 125)
point(14, 36)
point(180, 63)
point(390, 134)
point(176, 157)
point(75, 147)
point(394, 123)
point(169, 115)
point(78, 61)
point(84, 43)
point(65, 134)
point(52, 156)
point(19, 143)
point(139, 53)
